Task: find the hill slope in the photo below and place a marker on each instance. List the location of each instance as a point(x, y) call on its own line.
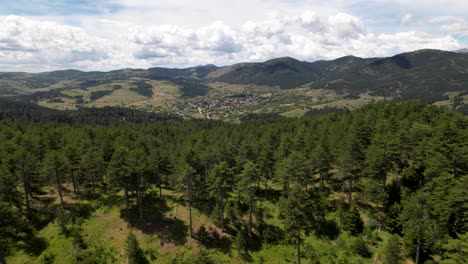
point(424, 74)
point(428, 75)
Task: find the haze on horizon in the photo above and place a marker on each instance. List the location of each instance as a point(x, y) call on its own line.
point(42, 35)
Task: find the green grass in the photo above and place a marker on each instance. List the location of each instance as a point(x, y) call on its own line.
point(106, 228)
point(59, 248)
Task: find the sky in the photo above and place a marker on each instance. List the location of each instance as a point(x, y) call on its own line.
point(93, 35)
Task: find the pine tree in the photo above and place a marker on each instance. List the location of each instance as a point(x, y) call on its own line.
point(415, 221)
point(250, 174)
point(119, 171)
point(133, 250)
point(392, 251)
point(352, 221)
point(187, 183)
point(55, 164)
point(139, 169)
point(323, 157)
point(12, 229)
point(221, 179)
point(25, 170)
point(73, 161)
point(296, 213)
point(92, 168)
point(352, 156)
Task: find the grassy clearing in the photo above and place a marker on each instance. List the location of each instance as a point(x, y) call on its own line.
point(59, 248)
point(107, 228)
point(59, 103)
point(350, 103)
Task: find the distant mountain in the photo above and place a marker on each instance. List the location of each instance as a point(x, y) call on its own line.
point(285, 72)
point(423, 74)
point(465, 50)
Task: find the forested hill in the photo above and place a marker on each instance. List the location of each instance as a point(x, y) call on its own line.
point(386, 183)
point(428, 75)
point(17, 111)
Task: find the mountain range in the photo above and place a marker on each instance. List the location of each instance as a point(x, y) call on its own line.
point(428, 75)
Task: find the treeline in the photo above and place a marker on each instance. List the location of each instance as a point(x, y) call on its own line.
point(402, 166)
point(22, 112)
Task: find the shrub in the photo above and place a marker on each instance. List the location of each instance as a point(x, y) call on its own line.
point(360, 247)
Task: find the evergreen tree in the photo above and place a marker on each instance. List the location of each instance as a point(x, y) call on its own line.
point(73, 161)
point(12, 229)
point(250, 174)
point(92, 168)
point(456, 250)
point(133, 250)
point(139, 169)
point(119, 171)
point(392, 251)
point(221, 179)
point(323, 157)
point(25, 170)
point(55, 164)
point(352, 221)
point(352, 155)
point(187, 183)
point(296, 215)
point(415, 221)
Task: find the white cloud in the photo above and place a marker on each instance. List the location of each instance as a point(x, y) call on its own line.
point(311, 21)
point(25, 41)
point(406, 19)
point(217, 37)
point(37, 45)
point(451, 24)
point(346, 26)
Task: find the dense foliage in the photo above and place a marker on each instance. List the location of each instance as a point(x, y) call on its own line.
point(346, 178)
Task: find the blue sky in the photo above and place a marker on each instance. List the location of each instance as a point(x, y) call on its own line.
point(40, 35)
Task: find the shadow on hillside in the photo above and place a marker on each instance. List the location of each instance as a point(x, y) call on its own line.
point(211, 239)
point(35, 246)
point(269, 194)
point(170, 230)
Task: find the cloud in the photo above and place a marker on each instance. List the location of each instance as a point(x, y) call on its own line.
point(217, 37)
point(312, 22)
point(40, 45)
point(346, 26)
point(406, 19)
point(452, 25)
point(27, 41)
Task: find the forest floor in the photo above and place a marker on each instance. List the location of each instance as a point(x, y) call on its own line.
point(164, 235)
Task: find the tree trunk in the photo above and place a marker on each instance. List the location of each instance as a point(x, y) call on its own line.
point(26, 192)
point(2, 258)
point(250, 203)
point(419, 245)
point(72, 172)
point(299, 247)
point(350, 190)
point(93, 184)
point(190, 207)
point(221, 205)
point(140, 203)
point(384, 179)
point(322, 176)
point(127, 203)
point(159, 181)
point(59, 187)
